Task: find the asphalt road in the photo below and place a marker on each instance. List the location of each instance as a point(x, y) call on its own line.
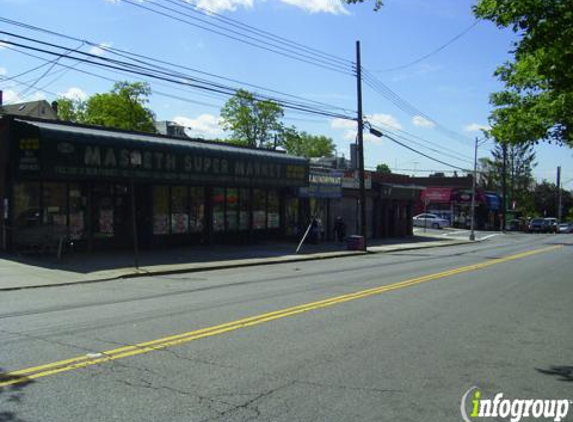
point(386, 337)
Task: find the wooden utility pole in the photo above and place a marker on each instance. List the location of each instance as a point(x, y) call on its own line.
point(360, 119)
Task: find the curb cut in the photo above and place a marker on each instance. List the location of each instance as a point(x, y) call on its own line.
point(254, 263)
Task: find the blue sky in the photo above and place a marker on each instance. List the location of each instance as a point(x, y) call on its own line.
point(451, 87)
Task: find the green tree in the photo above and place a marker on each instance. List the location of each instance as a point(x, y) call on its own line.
point(71, 110)
point(121, 108)
point(383, 168)
point(306, 145)
point(519, 174)
point(252, 122)
point(537, 100)
point(545, 195)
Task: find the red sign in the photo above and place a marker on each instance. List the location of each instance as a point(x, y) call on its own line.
point(437, 195)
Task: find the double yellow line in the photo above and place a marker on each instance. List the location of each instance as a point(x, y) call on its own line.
point(28, 374)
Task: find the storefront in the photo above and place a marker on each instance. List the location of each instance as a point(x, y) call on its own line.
point(319, 200)
point(92, 183)
point(394, 206)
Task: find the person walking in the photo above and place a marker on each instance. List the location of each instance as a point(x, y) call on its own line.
point(340, 229)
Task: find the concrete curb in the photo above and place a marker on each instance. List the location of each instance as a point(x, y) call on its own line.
point(206, 266)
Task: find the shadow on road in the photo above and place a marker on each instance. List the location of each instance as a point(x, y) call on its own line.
point(11, 394)
point(564, 373)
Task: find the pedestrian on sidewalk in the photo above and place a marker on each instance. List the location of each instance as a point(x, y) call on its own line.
point(340, 229)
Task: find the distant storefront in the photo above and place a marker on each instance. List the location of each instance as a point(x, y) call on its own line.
point(83, 180)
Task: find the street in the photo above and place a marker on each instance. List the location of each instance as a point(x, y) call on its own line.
point(383, 337)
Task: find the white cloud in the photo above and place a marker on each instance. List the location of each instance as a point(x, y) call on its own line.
point(10, 96)
point(204, 126)
point(422, 122)
point(75, 94)
point(385, 120)
point(99, 50)
point(347, 126)
point(3, 71)
point(319, 6)
point(310, 6)
point(476, 127)
point(218, 6)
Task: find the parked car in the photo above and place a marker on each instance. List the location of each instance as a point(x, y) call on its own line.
point(430, 220)
point(565, 228)
point(536, 225)
point(550, 225)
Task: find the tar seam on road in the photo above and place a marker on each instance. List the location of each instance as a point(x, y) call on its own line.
point(25, 375)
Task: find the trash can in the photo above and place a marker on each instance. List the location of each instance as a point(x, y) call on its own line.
point(355, 243)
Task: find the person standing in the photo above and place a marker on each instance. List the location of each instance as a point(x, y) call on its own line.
point(340, 229)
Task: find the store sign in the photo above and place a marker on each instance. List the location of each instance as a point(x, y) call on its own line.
point(437, 195)
point(323, 185)
point(351, 180)
point(166, 163)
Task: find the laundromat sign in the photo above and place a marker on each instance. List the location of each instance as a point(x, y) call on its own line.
point(79, 160)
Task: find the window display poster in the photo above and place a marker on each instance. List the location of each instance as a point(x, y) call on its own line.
point(160, 224)
point(106, 222)
point(77, 225)
point(180, 223)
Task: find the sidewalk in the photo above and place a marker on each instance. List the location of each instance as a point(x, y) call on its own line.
point(24, 272)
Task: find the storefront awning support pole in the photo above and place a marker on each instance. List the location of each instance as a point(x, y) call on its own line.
point(361, 145)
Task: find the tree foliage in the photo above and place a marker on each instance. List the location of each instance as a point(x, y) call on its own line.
point(545, 200)
point(306, 145)
point(121, 108)
point(519, 169)
point(537, 100)
point(383, 168)
point(252, 122)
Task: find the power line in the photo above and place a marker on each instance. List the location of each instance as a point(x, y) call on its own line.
point(431, 53)
point(249, 28)
point(243, 38)
point(382, 89)
point(177, 78)
point(384, 133)
point(142, 59)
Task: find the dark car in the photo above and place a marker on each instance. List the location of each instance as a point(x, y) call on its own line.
point(550, 225)
point(537, 225)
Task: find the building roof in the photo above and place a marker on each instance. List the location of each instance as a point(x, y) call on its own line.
point(85, 133)
point(38, 109)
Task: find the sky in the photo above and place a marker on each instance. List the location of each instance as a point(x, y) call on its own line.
point(436, 101)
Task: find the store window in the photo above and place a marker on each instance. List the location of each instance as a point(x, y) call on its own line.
point(244, 204)
point(103, 223)
point(232, 212)
point(179, 210)
point(55, 205)
point(292, 205)
point(77, 203)
point(197, 209)
point(259, 209)
point(273, 210)
point(160, 210)
point(27, 204)
point(218, 209)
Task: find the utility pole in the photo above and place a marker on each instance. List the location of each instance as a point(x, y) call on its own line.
point(559, 194)
point(504, 186)
point(361, 145)
point(472, 227)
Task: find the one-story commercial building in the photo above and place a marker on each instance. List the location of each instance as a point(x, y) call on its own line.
point(91, 183)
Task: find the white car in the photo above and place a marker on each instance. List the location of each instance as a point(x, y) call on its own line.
point(430, 221)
